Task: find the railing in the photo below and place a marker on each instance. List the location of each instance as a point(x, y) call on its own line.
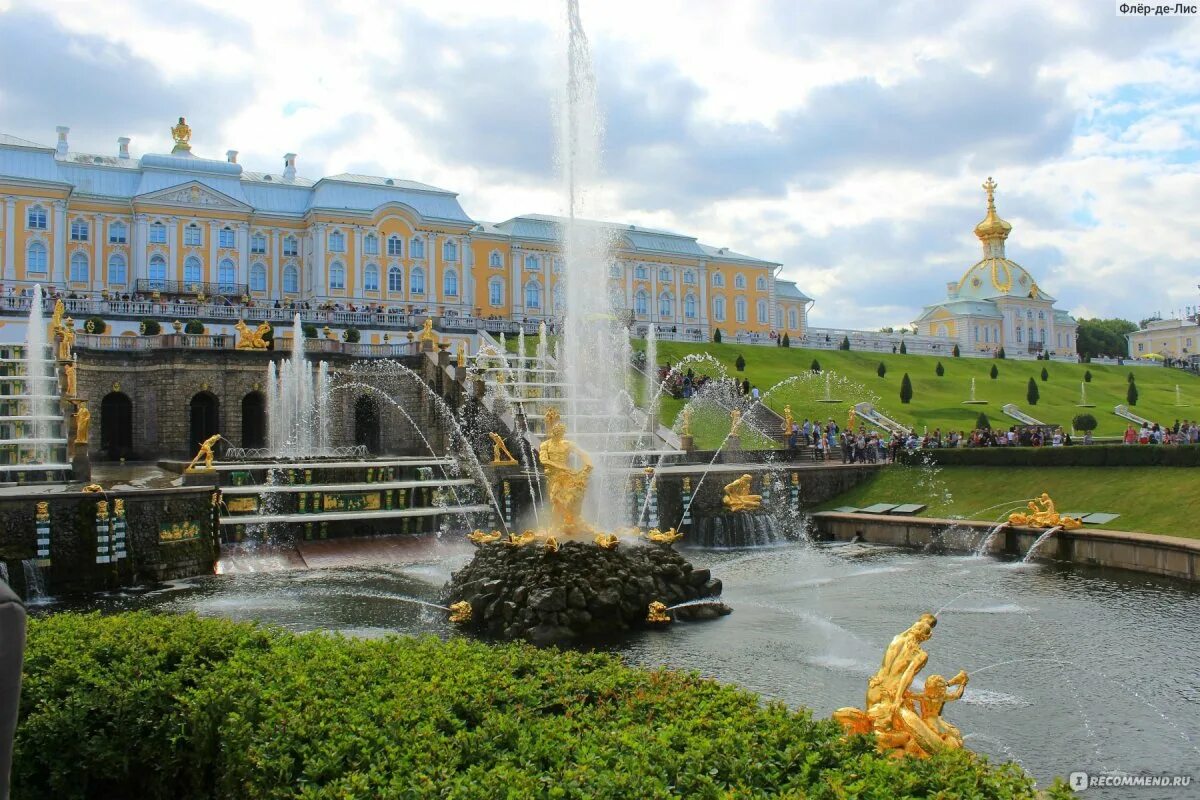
point(192, 287)
point(222, 341)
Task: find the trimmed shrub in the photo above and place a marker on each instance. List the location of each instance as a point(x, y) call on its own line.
point(1084, 422)
point(1000, 353)
point(906, 390)
point(1031, 392)
point(786, 341)
point(194, 327)
point(939, 369)
point(903, 348)
point(1131, 394)
point(995, 372)
point(160, 706)
point(881, 370)
point(717, 335)
point(351, 335)
point(309, 330)
point(1097, 455)
point(982, 422)
point(1087, 376)
point(845, 345)
point(740, 363)
point(95, 325)
point(1129, 378)
point(1045, 374)
point(815, 366)
point(150, 327)
point(956, 352)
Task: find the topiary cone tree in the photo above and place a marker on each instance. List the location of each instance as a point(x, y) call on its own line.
point(717, 336)
point(982, 422)
point(903, 347)
point(1031, 392)
point(1087, 376)
point(956, 352)
point(740, 363)
point(1045, 374)
point(995, 373)
point(906, 390)
point(881, 370)
point(1131, 394)
point(815, 366)
point(939, 369)
point(786, 341)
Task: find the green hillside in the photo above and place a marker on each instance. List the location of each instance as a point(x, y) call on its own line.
point(937, 401)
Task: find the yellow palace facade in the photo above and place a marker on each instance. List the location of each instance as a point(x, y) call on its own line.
point(182, 225)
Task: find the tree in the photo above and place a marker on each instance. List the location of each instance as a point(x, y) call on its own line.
point(150, 327)
point(982, 422)
point(740, 363)
point(1103, 337)
point(786, 341)
point(95, 325)
point(717, 335)
point(906, 391)
point(194, 327)
point(995, 372)
point(939, 369)
point(815, 366)
point(1045, 374)
point(881, 370)
point(1087, 376)
point(309, 330)
point(956, 352)
point(1000, 353)
point(845, 345)
point(351, 335)
point(903, 348)
point(1084, 422)
point(1129, 378)
point(1131, 394)
point(1031, 392)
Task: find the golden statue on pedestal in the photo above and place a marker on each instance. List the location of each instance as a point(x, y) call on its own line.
point(66, 339)
point(1044, 516)
point(206, 453)
point(566, 486)
point(56, 318)
point(83, 421)
point(252, 339)
point(501, 457)
point(738, 498)
point(788, 420)
point(462, 354)
point(735, 422)
point(427, 334)
point(906, 722)
point(851, 418)
point(685, 427)
point(70, 380)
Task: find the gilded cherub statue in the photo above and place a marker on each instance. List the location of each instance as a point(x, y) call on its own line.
point(205, 452)
point(501, 457)
point(738, 498)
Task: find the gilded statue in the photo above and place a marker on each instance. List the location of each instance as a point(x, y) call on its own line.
point(480, 537)
point(462, 354)
point(735, 422)
point(118, 507)
point(685, 428)
point(252, 339)
point(567, 486)
point(738, 498)
point(460, 612)
point(66, 339)
point(551, 544)
point(329, 334)
point(606, 541)
point(56, 318)
point(43, 511)
point(182, 134)
point(83, 421)
point(501, 457)
point(93, 488)
point(657, 613)
point(70, 379)
point(664, 537)
point(788, 420)
point(906, 722)
point(205, 452)
point(519, 540)
point(427, 334)
point(851, 419)
point(1042, 514)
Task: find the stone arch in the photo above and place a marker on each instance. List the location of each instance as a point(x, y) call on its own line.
point(254, 420)
point(204, 419)
point(116, 426)
point(366, 424)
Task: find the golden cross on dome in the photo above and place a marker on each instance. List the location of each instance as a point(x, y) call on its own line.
point(989, 186)
point(182, 135)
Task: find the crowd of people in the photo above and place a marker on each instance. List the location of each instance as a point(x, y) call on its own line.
point(1182, 432)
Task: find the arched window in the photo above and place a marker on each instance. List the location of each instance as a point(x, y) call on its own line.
point(226, 276)
point(666, 305)
point(761, 310)
point(158, 233)
point(395, 246)
point(494, 259)
point(718, 279)
point(793, 320)
point(395, 280)
point(639, 272)
point(719, 309)
point(36, 218)
point(291, 279)
point(450, 283)
point(531, 263)
point(118, 233)
point(760, 283)
point(116, 269)
point(191, 235)
point(689, 306)
point(664, 275)
point(337, 276)
point(533, 295)
point(740, 309)
point(641, 302)
point(291, 247)
point(739, 281)
point(371, 245)
point(79, 268)
point(496, 292)
point(416, 281)
point(689, 277)
point(158, 272)
point(337, 242)
point(416, 247)
point(258, 278)
point(192, 271)
point(79, 230)
point(1018, 333)
point(371, 278)
point(226, 239)
point(450, 251)
point(258, 244)
point(35, 257)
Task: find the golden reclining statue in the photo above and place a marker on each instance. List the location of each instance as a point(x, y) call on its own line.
point(738, 498)
point(1044, 516)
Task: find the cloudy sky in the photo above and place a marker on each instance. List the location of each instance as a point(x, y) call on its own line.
point(847, 140)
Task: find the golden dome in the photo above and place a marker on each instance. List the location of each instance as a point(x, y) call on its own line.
point(992, 226)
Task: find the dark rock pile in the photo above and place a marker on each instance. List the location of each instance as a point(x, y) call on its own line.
point(579, 591)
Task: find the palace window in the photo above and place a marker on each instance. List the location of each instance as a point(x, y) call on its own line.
point(117, 273)
point(718, 279)
point(157, 272)
point(158, 233)
point(739, 281)
point(558, 266)
point(1029, 314)
point(371, 245)
point(395, 280)
point(416, 247)
point(36, 218)
point(290, 246)
point(450, 283)
point(118, 233)
point(496, 292)
point(191, 235)
point(35, 258)
point(689, 306)
point(79, 268)
point(192, 270)
point(719, 309)
point(450, 251)
point(494, 259)
point(395, 246)
point(79, 230)
point(975, 337)
point(337, 276)
point(666, 305)
point(641, 302)
point(614, 270)
point(226, 240)
point(291, 279)
point(689, 277)
point(533, 295)
point(337, 242)
point(639, 272)
point(371, 278)
point(416, 282)
point(226, 276)
point(740, 309)
point(1041, 315)
point(1019, 333)
point(531, 263)
point(760, 310)
point(258, 244)
point(760, 283)
point(793, 319)
point(664, 275)
point(258, 278)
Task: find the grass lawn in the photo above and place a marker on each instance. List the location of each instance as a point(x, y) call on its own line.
point(1149, 499)
point(937, 402)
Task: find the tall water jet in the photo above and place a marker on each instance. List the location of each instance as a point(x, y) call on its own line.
point(651, 378)
point(38, 380)
point(1083, 401)
point(298, 403)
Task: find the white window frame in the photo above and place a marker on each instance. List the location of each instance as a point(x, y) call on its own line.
point(118, 260)
point(158, 233)
point(371, 278)
point(37, 264)
point(227, 238)
point(291, 279)
point(258, 244)
point(157, 263)
point(77, 258)
point(198, 266)
point(36, 218)
point(192, 235)
point(258, 277)
point(395, 279)
point(118, 233)
point(337, 276)
point(416, 281)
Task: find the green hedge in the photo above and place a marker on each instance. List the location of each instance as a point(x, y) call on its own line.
point(149, 706)
point(1096, 455)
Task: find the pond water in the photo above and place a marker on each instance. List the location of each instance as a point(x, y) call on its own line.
point(1103, 673)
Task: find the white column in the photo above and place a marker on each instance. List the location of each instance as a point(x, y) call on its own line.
point(98, 278)
point(628, 286)
point(702, 278)
point(138, 238)
point(771, 304)
point(173, 273)
point(276, 271)
point(466, 282)
point(431, 284)
point(358, 262)
point(517, 290)
point(57, 269)
point(10, 237)
point(243, 243)
point(213, 227)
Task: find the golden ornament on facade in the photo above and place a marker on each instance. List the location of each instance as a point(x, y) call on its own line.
point(738, 498)
point(116, 386)
point(43, 511)
point(182, 134)
point(118, 507)
point(102, 509)
point(252, 339)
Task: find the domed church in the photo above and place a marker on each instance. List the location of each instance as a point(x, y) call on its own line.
point(997, 303)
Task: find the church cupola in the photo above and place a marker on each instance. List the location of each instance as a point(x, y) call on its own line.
point(992, 231)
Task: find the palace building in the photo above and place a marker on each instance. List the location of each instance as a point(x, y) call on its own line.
point(997, 303)
point(181, 225)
